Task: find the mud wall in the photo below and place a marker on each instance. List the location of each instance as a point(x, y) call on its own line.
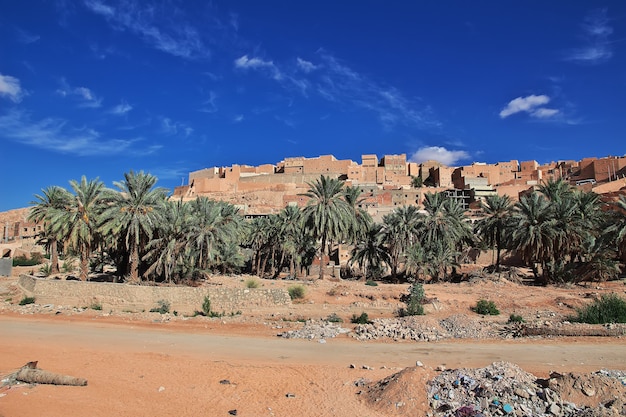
point(122, 297)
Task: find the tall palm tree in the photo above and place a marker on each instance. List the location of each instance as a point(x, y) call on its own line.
point(492, 228)
point(78, 222)
point(617, 229)
point(534, 231)
point(326, 215)
point(361, 218)
point(133, 213)
point(370, 253)
point(52, 199)
point(291, 228)
point(166, 254)
point(399, 233)
point(445, 221)
point(555, 190)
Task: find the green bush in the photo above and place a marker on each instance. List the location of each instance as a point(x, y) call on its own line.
point(334, 318)
point(487, 308)
point(27, 300)
point(163, 308)
point(69, 264)
point(24, 261)
point(96, 306)
point(296, 292)
point(608, 309)
point(252, 283)
point(362, 319)
point(46, 269)
point(413, 301)
point(515, 318)
point(371, 283)
point(206, 306)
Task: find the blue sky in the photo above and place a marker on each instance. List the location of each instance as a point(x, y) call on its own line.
point(100, 87)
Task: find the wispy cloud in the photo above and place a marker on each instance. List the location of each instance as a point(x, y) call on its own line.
point(439, 154)
point(306, 66)
point(161, 27)
point(57, 135)
point(238, 118)
point(174, 128)
point(531, 105)
point(121, 109)
point(11, 88)
point(83, 95)
point(26, 37)
point(209, 105)
point(597, 46)
point(254, 63)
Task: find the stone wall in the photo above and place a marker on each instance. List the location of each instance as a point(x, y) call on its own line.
point(135, 298)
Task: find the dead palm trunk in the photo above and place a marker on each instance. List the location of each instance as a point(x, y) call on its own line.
point(29, 373)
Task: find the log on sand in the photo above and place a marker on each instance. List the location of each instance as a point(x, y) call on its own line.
point(29, 373)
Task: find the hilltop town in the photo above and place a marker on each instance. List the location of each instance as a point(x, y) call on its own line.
point(392, 181)
point(386, 183)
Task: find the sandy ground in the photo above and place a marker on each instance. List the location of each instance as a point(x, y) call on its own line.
point(139, 367)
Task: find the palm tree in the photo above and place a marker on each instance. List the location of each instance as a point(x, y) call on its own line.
point(555, 190)
point(617, 230)
point(534, 231)
point(166, 252)
point(78, 222)
point(133, 213)
point(492, 228)
point(327, 215)
point(361, 218)
point(400, 231)
point(445, 221)
point(53, 198)
point(290, 229)
point(370, 252)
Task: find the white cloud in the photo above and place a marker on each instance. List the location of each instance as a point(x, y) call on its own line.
point(26, 37)
point(439, 154)
point(57, 135)
point(10, 88)
point(121, 108)
point(84, 96)
point(160, 27)
point(306, 66)
point(524, 104)
point(238, 119)
point(597, 48)
point(258, 64)
point(171, 127)
point(543, 113)
point(209, 106)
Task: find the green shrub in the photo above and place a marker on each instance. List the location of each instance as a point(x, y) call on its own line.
point(487, 308)
point(296, 292)
point(206, 306)
point(163, 308)
point(96, 306)
point(46, 270)
point(24, 261)
point(252, 283)
point(69, 264)
point(371, 283)
point(27, 300)
point(413, 301)
point(334, 318)
point(362, 319)
point(608, 309)
point(514, 318)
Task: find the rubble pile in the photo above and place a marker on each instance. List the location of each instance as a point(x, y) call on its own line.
point(315, 329)
point(502, 389)
point(419, 329)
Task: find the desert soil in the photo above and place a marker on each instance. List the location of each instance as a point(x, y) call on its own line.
point(147, 365)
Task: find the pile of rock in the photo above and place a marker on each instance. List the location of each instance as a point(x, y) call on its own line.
point(315, 329)
point(420, 329)
point(504, 389)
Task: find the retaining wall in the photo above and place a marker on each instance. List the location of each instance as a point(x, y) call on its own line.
point(135, 298)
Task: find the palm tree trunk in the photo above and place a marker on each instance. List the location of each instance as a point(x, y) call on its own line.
point(134, 262)
point(322, 250)
point(54, 257)
point(84, 263)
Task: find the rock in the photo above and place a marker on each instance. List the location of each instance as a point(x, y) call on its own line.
point(440, 368)
point(418, 363)
point(554, 409)
point(161, 389)
point(588, 390)
point(352, 366)
point(290, 395)
point(232, 412)
point(225, 382)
